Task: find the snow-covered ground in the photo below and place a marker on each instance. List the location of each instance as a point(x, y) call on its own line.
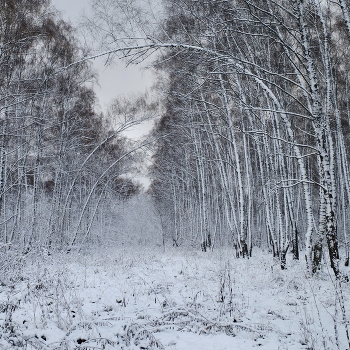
point(141, 298)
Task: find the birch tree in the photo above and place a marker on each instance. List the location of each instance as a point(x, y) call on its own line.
point(259, 73)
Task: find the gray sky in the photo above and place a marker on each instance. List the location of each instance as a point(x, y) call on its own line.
point(113, 81)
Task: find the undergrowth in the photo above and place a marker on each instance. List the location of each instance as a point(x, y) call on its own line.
point(132, 300)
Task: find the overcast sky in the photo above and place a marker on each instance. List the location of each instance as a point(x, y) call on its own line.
point(114, 80)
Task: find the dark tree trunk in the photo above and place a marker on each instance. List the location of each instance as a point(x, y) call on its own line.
point(317, 256)
point(275, 252)
point(209, 241)
point(244, 249)
point(347, 258)
point(284, 257)
point(295, 244)
point(332, 243)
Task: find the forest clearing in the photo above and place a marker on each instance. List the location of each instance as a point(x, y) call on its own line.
point(145, 298)
point(210, 211)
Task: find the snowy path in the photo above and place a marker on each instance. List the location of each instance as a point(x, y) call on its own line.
point(141, 299)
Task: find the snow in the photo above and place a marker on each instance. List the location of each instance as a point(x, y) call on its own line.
point(145, 298)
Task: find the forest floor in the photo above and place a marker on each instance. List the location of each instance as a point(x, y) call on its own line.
point(184, 300)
